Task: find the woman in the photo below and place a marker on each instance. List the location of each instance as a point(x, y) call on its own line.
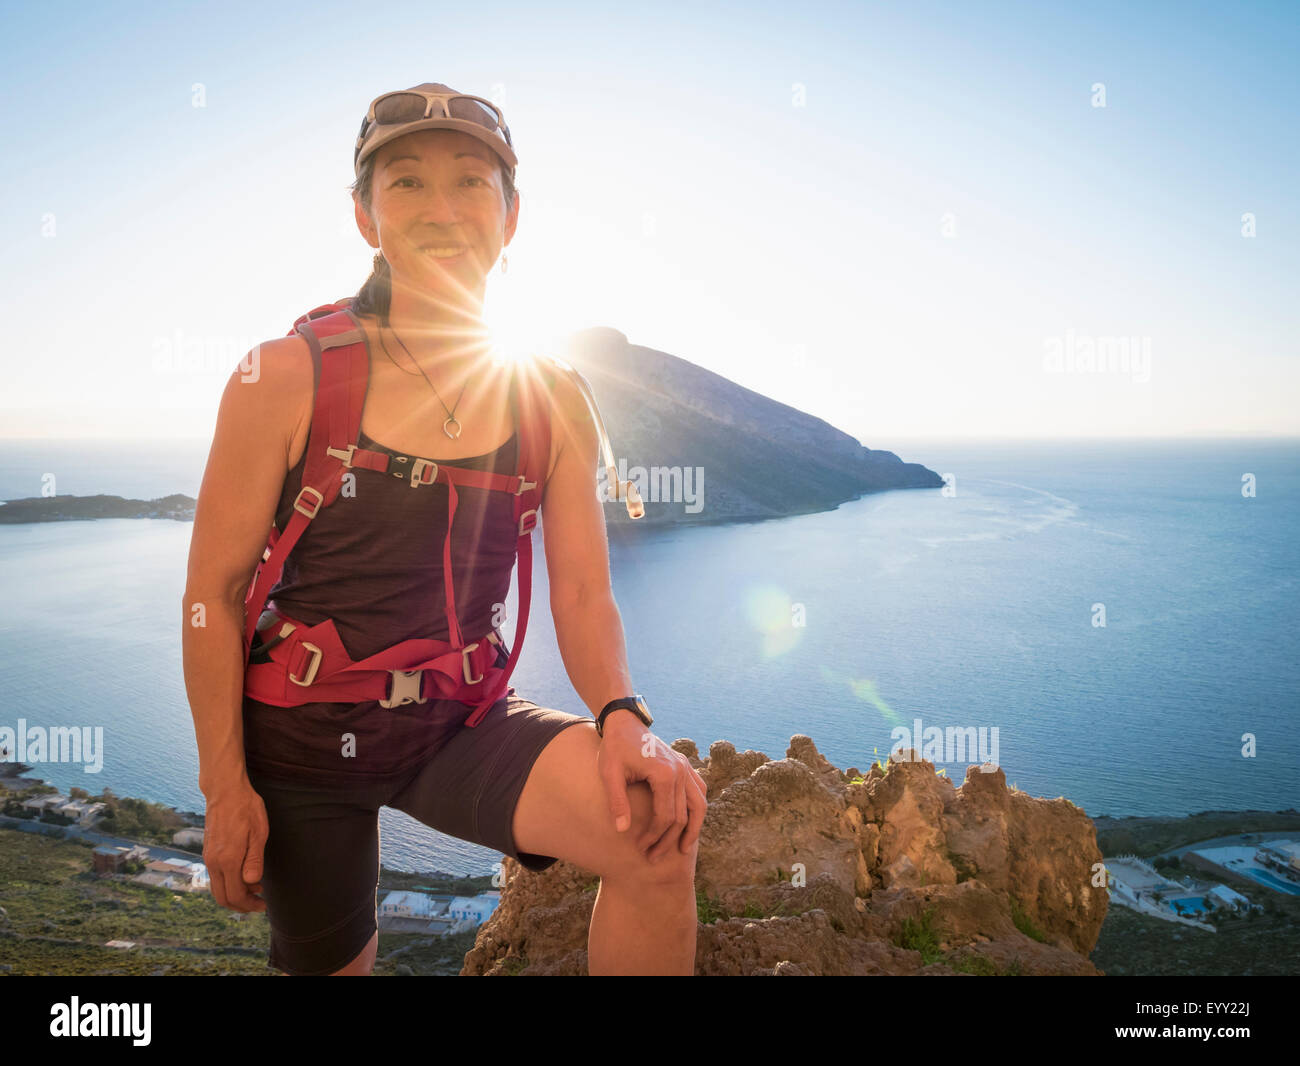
point(293, 793)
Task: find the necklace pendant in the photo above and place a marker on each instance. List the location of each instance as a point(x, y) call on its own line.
point(446, 428)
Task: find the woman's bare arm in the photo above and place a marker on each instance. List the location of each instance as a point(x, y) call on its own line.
point(588, 626)
point(589, 631)
point(262, 419)
point(245, 472)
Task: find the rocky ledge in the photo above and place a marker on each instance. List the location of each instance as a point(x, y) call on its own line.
point(807, 870)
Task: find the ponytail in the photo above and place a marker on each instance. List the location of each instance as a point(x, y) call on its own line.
point(375, 297)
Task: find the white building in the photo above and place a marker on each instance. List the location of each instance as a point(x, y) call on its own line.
point(1223, 896)
point(1282, 855)
point(1136, 879)
point(81, 811)
point(473, 908)
point(189, 874)
point(179, 874)
point(187, 836)
point(408, 905)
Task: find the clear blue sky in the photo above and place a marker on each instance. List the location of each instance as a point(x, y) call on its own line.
point(897, 247)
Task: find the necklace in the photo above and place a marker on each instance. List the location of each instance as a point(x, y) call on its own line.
point(451, 419)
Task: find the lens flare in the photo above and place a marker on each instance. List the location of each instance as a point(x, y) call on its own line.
point(775, 617)
point(863, 689)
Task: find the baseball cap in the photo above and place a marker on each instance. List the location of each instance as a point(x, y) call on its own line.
point(432, 105)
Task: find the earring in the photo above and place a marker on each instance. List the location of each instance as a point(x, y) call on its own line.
point(503, 262)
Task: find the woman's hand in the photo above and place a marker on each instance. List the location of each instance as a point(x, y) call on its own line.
point(235, 832)
point(630, 752)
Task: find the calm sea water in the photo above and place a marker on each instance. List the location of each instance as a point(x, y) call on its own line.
point(969, 610)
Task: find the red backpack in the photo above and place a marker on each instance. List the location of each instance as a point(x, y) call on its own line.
point(307, 663)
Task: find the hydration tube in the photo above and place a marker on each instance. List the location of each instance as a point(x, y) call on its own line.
point(624, 490)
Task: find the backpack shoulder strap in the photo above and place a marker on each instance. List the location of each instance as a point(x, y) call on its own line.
point(340, 367)
point(319, 312)
point(534, 381)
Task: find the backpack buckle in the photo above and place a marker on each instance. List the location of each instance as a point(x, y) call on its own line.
point(342, 453)
point(417, 473)
point(404, 688)
point(464, 660)
point(311, 670)
point(531, 524)
point(524, 486)
point(320, 498)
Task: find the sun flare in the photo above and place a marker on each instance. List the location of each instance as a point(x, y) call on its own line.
point(524, 319)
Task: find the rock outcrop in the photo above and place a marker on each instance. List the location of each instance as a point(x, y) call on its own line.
point(806, 870)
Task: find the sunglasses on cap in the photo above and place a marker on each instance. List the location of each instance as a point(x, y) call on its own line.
point(405, 106)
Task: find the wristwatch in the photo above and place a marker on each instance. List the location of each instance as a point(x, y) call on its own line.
point(635, 704)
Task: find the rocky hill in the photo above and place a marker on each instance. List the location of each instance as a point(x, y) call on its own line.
point(905, 874)
point(760, 458)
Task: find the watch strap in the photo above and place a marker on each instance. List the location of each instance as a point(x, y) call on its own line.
point(635, 704)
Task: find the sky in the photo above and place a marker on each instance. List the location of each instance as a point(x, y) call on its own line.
point(909, 219)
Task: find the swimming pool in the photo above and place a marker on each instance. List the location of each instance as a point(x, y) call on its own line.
point(1190, 905)
point(1273, 881)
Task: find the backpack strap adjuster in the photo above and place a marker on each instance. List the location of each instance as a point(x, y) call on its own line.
point(464, 659)
point(531, 524)
point(297, 503)
point(317, 655)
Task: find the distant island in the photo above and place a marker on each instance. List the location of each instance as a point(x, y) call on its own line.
point(78, 508)
point(699, 448)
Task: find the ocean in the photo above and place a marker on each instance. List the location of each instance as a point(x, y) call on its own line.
point(977, 609)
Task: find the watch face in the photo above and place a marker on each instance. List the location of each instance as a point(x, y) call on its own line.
point(641, 705)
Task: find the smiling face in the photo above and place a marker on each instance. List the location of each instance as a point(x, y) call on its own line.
point(438, 212)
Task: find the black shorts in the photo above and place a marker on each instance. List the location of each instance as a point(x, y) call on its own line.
point(321, 861)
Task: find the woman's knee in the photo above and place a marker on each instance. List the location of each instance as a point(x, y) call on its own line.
point(628, 861)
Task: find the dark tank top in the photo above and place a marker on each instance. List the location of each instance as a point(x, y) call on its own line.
point(373, 563)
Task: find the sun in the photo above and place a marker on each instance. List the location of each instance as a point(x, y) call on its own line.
point(523, 319)
point(514, 337)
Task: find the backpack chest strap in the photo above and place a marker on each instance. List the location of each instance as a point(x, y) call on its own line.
point(426, 471)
